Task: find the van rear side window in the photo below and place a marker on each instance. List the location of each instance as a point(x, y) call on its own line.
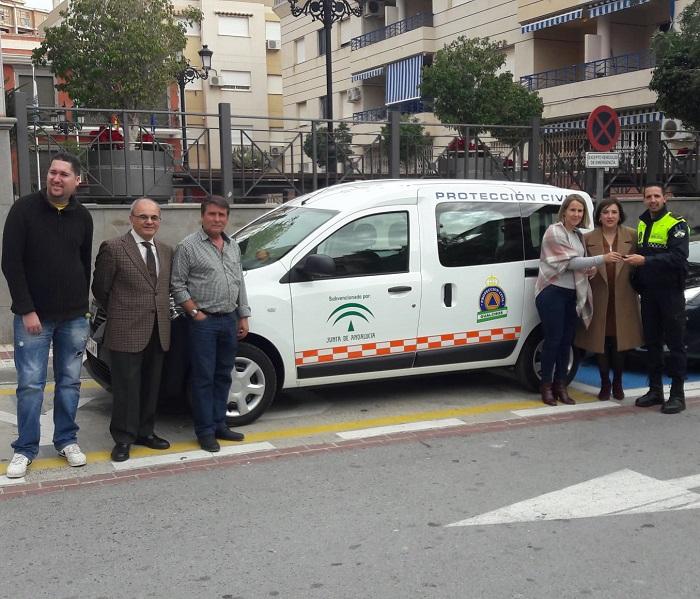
point(536, 219)
point(472, 233)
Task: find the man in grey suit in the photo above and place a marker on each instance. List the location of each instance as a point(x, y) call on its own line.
point(131, 282)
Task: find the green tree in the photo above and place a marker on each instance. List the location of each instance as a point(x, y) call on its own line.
point(343, 142)
point(676, 78)
point(467, 87)
point(119, 54)
point(412, 138)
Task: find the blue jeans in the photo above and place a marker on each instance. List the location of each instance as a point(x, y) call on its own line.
point(31, 361)
point(557, 309)
point(213, 343)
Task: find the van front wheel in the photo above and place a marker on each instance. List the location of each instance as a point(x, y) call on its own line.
point(529, 366)
point(254, 385)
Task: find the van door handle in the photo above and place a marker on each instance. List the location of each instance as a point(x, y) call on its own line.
point(531, 271)
point(400, 289)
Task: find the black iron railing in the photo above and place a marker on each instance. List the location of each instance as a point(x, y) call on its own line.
point(403, 26)
point(585, 71)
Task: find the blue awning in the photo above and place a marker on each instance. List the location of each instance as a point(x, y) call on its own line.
point(640, 118)
point(551, 21)
point(608, 7)
point(403, 79)
point(368, 74)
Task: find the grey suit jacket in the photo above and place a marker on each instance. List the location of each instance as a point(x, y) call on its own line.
point(122, 286)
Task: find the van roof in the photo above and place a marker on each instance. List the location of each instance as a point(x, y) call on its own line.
point(387, 192)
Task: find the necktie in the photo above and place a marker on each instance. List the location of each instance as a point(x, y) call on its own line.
point(150, 260)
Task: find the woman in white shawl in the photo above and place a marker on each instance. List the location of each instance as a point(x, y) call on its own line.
point(562, 293)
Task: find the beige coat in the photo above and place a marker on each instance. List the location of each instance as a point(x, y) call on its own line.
point(627, 316)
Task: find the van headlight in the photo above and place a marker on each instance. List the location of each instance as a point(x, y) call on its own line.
point(692, 297)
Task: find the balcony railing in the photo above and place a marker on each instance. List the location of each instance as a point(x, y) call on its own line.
point(617, 65)
point(381, 113)
point(379, 35)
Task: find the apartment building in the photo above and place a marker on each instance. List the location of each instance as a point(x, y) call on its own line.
point(19, 33)
point(575, 54)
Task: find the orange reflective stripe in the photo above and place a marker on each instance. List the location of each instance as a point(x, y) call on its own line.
point(398, 346)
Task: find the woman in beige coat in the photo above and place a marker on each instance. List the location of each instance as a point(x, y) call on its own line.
point(616, 325)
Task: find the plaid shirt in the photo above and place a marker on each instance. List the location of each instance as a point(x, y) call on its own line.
point(212, 279)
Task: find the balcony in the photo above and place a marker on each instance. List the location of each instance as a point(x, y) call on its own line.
point(617, 65)
point(381, 113)
point(379, 35)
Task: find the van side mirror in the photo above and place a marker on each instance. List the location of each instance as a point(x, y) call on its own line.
point(317, 264)
point(311, 266)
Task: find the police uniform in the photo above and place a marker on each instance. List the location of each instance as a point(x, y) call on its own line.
point(660, 281)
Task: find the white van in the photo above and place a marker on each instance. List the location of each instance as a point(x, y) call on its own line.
point(380, 279)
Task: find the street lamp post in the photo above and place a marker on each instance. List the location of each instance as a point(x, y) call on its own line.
point(328, 12)
point(187, 75)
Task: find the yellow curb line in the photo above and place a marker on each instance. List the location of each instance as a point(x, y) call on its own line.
point(50, 387)
point(307, 431)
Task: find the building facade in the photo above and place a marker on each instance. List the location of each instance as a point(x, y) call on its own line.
point(576, 55)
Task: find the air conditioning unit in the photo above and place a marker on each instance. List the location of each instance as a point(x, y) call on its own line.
point(373, 8)
point(215, 81)
point(673, 130)
point(354, 94)
point(274, 44)
point(275, 151)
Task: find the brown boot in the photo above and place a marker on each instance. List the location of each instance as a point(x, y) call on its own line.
point(546, 393)
point(560, 393)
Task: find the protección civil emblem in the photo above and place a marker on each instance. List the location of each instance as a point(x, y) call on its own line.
point(492, 302)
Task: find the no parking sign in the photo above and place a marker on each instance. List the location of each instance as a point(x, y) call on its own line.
point(603, 128)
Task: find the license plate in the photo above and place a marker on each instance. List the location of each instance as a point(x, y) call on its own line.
point(91, 346)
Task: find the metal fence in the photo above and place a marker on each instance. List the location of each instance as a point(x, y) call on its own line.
point(127, 154)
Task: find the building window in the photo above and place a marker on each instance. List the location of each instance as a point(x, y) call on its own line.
point(300, 50)
point(302, 110)
point(5, 16)
point(273, 30)
point(234, 26)
point(44, 86)
point(191, 29)
point(274, 84)
point(24, 19)
point(321, 42)
point(235, 80)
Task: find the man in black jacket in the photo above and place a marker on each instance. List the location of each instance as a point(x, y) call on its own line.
point(46, 259)
point(662, 266)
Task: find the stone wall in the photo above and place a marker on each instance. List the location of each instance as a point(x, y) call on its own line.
point(113, 220)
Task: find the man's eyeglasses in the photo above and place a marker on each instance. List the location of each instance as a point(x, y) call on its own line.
point(145, 218)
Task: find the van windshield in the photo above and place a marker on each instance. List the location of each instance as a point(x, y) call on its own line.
point(269, 238)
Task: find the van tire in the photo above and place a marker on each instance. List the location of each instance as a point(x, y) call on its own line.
point(527, 368)
point(254, 382)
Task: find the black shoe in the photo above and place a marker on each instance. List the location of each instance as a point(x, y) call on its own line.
point(120, 453)
point(153, 441)
point(226, 434)
point(209, 443)
point(674, 405)
point(653, 397)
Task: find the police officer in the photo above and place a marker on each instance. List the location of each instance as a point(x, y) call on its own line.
point(662, 265)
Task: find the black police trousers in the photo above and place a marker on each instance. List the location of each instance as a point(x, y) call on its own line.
point(663, 320)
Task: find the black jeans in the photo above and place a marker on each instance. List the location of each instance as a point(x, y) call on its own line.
point(663, 320)
point(557, 309)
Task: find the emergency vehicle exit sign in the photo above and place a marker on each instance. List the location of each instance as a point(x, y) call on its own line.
point(602, 159)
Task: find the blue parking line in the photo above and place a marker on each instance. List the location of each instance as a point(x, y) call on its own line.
point(633, 378)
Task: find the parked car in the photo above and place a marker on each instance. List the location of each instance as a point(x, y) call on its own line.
point(379, 279)
point(692, 306)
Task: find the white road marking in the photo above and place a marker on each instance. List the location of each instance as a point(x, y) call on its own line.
point(6, 482)
point(622, 492)
point(188, 456)
point(46, 422)
point(400, 428)
point(560, 409)
point(8, 418)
